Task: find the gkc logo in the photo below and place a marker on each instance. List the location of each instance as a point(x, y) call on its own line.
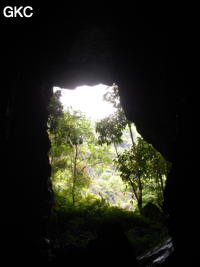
point(13, 12)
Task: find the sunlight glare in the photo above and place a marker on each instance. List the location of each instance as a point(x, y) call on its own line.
point(88, 99)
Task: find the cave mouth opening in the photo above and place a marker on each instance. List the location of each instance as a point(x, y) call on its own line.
point(94, 116)
point(95, 156)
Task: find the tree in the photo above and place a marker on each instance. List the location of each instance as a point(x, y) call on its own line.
point(69, 153)
point(112, 96)
point(110, 131)
point(111, 128)
point(55, 110)
point(158, 171)
point(139, 166)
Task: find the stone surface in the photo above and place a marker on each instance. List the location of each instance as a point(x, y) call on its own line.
point(151, 211)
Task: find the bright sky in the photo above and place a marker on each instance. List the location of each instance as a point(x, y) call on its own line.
point(88, 99)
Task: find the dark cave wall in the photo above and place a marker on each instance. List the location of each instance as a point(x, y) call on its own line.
point(26, 190)
point(142, 54)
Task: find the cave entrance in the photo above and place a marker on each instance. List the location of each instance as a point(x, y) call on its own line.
point(87, 132)
point(102, 169)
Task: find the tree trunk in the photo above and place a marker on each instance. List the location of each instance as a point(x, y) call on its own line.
point(140, 204)
point(135, 192)
point(116, 149)
point(140, 187)
point(161, 187)
point(131, 133)
point(162, 184)
point(74, 175)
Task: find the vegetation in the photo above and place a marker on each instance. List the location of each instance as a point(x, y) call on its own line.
point(101, 172)
point(142, 166)
point(73, 155)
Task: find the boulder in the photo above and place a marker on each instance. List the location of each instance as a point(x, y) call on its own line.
point(151, 211)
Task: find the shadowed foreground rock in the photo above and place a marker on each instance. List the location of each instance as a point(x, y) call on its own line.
point(112, 246)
